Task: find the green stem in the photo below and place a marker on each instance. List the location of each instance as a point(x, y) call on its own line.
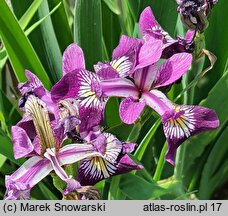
point(178, 171)
point(161, 163)
point(106, 190)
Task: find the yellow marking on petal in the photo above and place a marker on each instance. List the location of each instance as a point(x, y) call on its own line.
point(172, 122)
point(89, 93)
point(181, 123)
point(101, 166)
point(177, 108)
point(38, 110)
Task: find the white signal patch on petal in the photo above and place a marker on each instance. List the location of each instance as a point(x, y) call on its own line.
point(87, 94)
point(103, 166)
point(98, 168)
point(182, 126)
point(122, 65)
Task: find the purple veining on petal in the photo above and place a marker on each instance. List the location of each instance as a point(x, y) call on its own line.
point(149, 53)
point(147, 21)
point(124, 55)
point(155, 99)
point(173, 69)
point(112, 162)
point(130, 109)
point(22, 145)
point(128, 148)
point(73, 59)
point(185, 121)
point(106, 72)
point(145, 77)
point(119, 87)
point(66, 87)
point(26, 177)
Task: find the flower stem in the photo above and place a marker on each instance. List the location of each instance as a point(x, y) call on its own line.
point(161, 163)
point(178, 171)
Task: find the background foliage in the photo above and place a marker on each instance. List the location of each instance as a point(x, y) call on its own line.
point(34, 34)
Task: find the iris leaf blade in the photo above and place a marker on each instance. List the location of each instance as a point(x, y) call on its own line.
point(21, 54)
point(88, 30)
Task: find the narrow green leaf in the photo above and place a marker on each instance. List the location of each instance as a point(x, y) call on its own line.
point(111, 29)
point(20, 52)
point(122, 131)
point(112, 113)
point(113, 6)
point(8, 110)
point(210, 178)
point(27, 16)
point(217, 100)
point(36, 24)
point(217, 45)
point(145, 142)
point(88, 30)
point(2, 160)
point(61, 25)
point(47, 192)
point(45, 42)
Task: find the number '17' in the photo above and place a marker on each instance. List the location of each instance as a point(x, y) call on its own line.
point(216, 206)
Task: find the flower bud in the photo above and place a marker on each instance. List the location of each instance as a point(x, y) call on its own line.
point(194, 13)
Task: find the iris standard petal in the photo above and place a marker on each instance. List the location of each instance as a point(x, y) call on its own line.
point(73, 58)
point(32, 83)
point(149, 53)
point(145, 77)
point(147, 21)
point(124, 55)
point(173, 69)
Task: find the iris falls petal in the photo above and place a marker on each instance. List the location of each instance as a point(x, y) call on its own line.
point(185, 121)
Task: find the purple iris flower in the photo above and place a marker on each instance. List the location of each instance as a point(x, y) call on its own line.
point(149, 27)
point(179, 122)
point(42, 143)
point(124, 59)
point(113, 160)
point(83, 85)
point(194, 13)
point(45, 151)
